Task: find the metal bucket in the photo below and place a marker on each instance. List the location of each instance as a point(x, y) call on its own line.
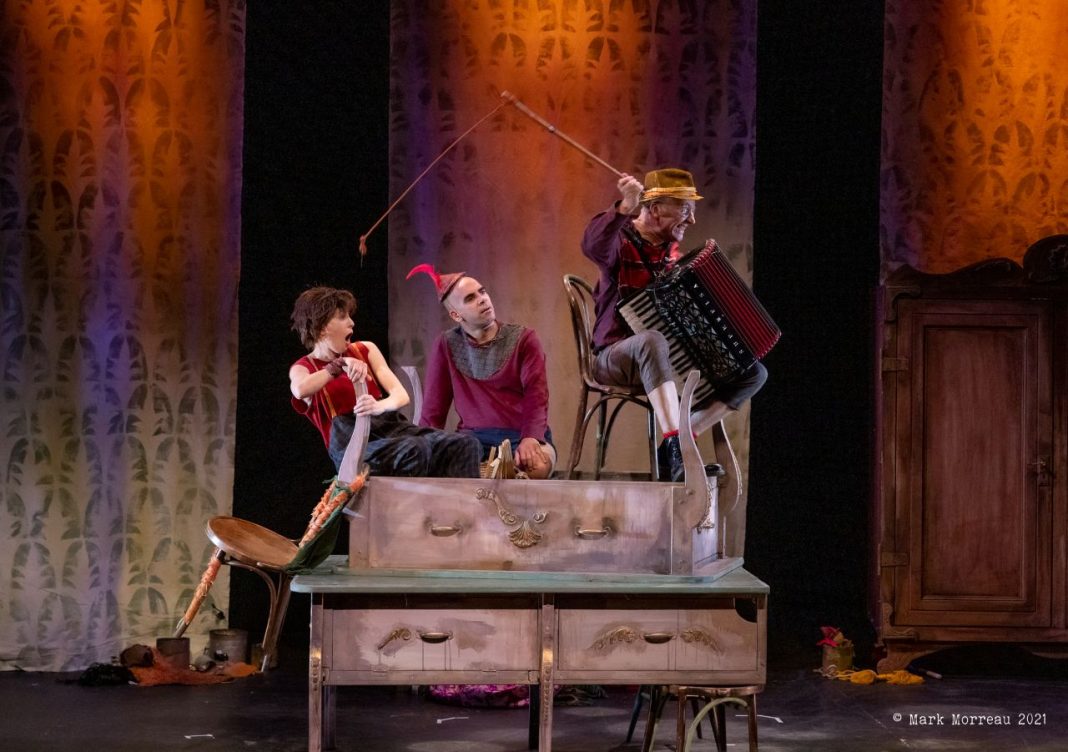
point(228, 644)
point(174, 650)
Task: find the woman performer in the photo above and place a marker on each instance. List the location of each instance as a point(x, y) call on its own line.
point(321, 386)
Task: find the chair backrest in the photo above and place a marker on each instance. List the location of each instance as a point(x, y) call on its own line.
point(414, 386)
point(353, 457)
point(580, 299)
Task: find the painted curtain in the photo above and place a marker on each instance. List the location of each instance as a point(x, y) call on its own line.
point(975, 130)
point(643, 84)
point(120, 157)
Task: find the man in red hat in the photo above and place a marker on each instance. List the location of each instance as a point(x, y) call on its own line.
point(493, 373)
point(636, 238)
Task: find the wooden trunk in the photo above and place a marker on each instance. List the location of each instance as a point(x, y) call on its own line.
point(522, 525)
point(555, 525)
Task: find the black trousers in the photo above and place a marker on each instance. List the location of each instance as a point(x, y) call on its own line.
point(397, 447)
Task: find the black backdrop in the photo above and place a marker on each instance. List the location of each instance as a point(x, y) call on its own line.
point(315, 176)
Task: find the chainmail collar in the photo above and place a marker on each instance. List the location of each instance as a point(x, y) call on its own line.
point(480, 362)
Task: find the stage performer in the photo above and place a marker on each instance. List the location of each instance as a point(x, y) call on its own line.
point(493, 372)
point(321, 386)
point(650, 220)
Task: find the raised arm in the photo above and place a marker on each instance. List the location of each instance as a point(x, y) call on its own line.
point(600, 241)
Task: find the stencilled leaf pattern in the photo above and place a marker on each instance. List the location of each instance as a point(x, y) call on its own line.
point(971, 95)
point(641, 83)
point(120, 130)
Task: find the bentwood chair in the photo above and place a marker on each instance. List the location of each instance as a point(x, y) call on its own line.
point(275, 558)
point(710, 702)
point(580, 300)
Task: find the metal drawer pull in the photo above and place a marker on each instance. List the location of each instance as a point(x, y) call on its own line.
point(657, 638)
point(444, 531)
point(435, 637)
point(591, 533)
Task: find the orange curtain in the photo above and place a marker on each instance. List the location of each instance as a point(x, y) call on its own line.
point(643, 84)
point(120, 157)
point(975, 130)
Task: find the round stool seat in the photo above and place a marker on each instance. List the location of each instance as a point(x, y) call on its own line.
point(714, 692)
point(250, 543)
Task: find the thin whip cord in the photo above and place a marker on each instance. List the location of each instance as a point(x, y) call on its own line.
point(511, 99)
point(438, 158)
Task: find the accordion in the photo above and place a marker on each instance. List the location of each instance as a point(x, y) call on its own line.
point(710, 317)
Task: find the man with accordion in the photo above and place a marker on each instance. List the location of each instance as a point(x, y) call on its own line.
point(635, 244)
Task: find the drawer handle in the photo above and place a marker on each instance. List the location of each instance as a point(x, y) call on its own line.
point(435, 637)
point(444, 531)
point(657, 638)
point(587, 533)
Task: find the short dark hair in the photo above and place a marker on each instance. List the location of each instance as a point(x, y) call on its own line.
point(314, 309)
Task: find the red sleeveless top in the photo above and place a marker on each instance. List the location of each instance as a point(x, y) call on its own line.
point(337, 397)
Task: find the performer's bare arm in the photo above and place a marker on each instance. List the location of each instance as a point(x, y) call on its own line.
point(398, 395)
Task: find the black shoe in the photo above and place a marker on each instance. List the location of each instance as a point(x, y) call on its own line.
point(669, 460)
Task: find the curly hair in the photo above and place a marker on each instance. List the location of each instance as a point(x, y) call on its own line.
point(314, 309)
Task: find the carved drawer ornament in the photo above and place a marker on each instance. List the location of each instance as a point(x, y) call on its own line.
point(614, 637)
point(523, 536)
point(400, 633)
point(696, 635)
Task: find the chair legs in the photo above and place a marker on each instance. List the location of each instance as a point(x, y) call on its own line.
point(602, 438)
point(657, 698)
point(639, 698)
point(704, 701)
point(654, 466)
point(580, 434)
point(605, 422)
point(276, 616)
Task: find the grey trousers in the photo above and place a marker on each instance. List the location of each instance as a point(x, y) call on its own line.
point(399, 448)
point(644, 358)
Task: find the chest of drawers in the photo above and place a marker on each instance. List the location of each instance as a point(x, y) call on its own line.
point(537, 628)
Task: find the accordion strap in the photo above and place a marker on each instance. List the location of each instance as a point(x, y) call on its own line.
point(635, 238)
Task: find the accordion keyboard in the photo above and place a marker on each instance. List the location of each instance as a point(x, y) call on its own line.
point(641, 314)
point(709, 316)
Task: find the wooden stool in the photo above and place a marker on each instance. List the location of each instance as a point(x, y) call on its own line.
point(706, 701)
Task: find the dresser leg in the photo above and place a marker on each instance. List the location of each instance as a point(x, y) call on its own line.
point(315, 680)
point(548, 660)
point(315, 704)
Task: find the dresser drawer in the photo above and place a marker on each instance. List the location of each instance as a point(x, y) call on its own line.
point(704, 640)
point(383, 640)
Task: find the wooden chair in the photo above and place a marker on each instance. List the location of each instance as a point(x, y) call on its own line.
point(704, 701)
point(414, 386)
point(580, 300)
point(275, 558)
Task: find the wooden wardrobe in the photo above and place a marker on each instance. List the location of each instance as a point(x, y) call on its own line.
point(972, 463)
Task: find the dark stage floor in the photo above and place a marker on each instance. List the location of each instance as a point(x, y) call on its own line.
point(799, 710)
